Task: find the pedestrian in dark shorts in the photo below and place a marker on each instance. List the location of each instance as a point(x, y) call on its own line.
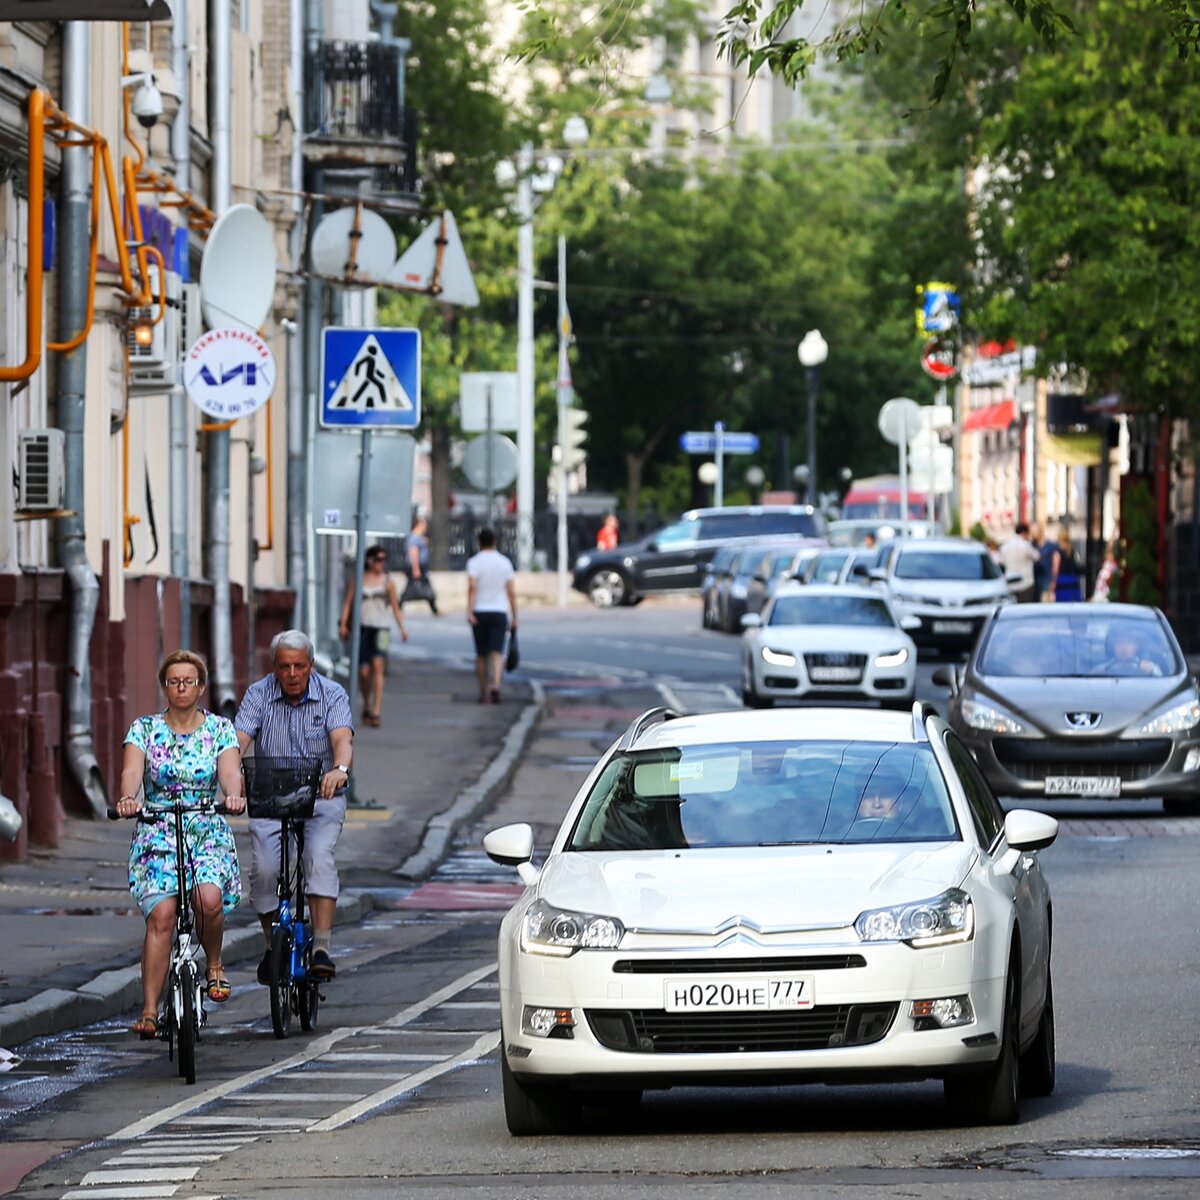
point(491, 596)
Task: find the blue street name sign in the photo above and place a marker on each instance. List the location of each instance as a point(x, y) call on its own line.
point(705, 442)
point(370, 378)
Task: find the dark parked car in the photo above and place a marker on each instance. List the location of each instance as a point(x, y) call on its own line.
point(1080, 700)
point(775, 568)
point(674, 558)
point(716, 578)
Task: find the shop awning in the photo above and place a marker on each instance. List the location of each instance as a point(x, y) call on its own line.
point(994, 416)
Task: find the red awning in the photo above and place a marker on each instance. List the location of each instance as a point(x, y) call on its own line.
point(994, 416)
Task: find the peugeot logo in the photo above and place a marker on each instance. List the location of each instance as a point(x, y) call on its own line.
point(1083, 720)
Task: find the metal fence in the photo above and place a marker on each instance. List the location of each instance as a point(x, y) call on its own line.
point(353, 92)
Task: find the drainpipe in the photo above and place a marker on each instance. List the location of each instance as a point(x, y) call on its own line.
point(220, 84)
point(181, 153)
point(297, 425)
point(74, 253)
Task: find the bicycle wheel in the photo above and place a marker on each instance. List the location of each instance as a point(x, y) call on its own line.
point(183, 1000)
point(309, 995)
point(281, 981)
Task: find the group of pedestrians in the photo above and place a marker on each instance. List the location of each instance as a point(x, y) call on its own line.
point(1039, 569)
point(181, 755)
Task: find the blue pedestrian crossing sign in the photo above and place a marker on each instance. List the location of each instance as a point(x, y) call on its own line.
point(370, 378)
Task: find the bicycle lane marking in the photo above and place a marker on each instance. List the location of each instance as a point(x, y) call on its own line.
point(316, 1049)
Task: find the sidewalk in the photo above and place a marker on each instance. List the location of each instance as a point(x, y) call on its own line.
point(72, 933)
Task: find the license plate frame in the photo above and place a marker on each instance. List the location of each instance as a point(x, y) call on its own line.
point(738, 993)
point(1083, 786)
point(956, 628)
point(835, 674)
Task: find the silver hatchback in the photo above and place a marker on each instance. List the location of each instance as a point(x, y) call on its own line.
point(1080, 700)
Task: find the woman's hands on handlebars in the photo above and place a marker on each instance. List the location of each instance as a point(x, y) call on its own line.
point(128, 806)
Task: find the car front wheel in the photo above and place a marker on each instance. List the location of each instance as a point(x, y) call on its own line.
point(1175, 807)
point(608, 588)
point(1038, 1067)
point(533, 1109)
point(993, 1096)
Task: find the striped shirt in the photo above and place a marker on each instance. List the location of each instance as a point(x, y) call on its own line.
point(281, 729)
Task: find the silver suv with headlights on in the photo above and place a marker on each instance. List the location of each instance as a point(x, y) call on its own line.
point(1090, 701)
point(950, 585)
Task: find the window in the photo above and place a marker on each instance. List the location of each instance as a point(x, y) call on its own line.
point(680, 534)
point(985, 808)
point(946, 564)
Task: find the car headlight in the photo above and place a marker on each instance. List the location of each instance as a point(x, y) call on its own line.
point(582, 561)
point(1179, 719)
point(897, 658)
point(778, 658)
point(558, 931)
point(947, 918)
point(983, 716)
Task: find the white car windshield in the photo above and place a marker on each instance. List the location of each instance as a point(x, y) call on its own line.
point(766, 794)
point(946, 564)
point(830, 610)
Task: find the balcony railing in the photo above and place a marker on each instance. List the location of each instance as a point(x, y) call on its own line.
point(353, 94)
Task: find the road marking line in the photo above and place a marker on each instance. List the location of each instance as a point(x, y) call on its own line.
point(128, 1158)
point(379, 1056)
point(266, 1097)
point(353, 1074)
point(142, 1175)
point(485, 1044)
point(469, 1004)
point(432, 1001)
point(122, 1193)
point(282, 1124)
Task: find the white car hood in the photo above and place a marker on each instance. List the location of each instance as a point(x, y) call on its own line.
point(855, 639)
point(776, 888)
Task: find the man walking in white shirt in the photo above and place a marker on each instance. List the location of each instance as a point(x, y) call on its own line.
point(491, 595)
point(1018, 556)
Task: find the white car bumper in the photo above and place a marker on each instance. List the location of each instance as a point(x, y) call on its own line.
point(868, 681)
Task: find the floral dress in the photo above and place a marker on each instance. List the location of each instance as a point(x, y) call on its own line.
point(182, 765)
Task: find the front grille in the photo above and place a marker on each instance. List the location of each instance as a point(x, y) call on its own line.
point(836, 660)
point(1035, 758)
point(655, 1031)
point(737, 966)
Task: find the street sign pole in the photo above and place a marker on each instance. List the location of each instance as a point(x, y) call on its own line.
point(490, 468)
point(719, 462)
point(904, 483)
point(360, 561)
point(564, 396)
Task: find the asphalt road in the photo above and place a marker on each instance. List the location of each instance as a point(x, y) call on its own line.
point(399, 1089)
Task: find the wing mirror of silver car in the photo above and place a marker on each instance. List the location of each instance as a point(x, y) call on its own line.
point(512, 846)
point(945, 677)
point(751, 620)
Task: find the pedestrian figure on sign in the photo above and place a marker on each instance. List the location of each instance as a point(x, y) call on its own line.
point(369, 366)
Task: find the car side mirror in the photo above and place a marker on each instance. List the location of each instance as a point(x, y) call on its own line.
point(651, 547)
point(751, 620)
point(512, 846)
point(909, 623)
point(877, 574)
point(946, 677)
point(1027, 830)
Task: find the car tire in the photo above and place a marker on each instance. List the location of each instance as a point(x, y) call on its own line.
point(901, 704)
point(1176, 806)
point(617, 1101)
point(993, 1096)
point(751, 699)
point(531, 1110)
point(1038, 1067)
point(607, 588)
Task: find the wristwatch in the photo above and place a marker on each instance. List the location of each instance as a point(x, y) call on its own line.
point(345, 770)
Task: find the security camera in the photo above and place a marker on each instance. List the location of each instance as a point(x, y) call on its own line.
point(147, 103)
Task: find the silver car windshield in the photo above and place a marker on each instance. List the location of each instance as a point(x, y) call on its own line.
point(1073, 645)
point(830, 610)
point(767, 794)
point(946, 564)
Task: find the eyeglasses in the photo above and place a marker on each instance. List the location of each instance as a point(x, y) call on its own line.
point(182, 684)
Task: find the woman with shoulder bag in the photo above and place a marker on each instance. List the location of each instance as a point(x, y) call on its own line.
point(380, 603)
point(416, 567)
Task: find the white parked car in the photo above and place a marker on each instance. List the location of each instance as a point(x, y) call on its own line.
point(748, 897)
point(827, 642)
point(950, 585)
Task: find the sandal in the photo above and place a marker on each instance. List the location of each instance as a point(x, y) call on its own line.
point(146, 1026)
point(372, 719)
point(219, 989)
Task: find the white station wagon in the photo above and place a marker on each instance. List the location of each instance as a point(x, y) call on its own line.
point(821, 895)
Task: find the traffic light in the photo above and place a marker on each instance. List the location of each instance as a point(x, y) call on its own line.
point(572, 454)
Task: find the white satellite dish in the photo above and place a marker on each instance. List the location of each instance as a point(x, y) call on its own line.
point(237, 272)
point(899, 420)
point(332, 246)
point(419, 269)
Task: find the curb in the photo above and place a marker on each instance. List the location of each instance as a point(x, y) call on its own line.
point(111, 992)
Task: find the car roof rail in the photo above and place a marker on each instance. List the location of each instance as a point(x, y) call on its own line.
point(639, 725)
point(922, 710)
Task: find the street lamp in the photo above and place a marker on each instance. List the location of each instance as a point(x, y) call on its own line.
point(812, 352)
point(800, 475)
point(530, 176)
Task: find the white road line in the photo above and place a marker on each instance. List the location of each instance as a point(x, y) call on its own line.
point(134, 1174)
point(672, 700)
point(268, 1097)
point(432, 1001)
point(124, 1160)
point(379, 1056)
point(468, 1004)
point(123, 1193)
point(481, 1047)
point(296, 1075)
point(275, 1124)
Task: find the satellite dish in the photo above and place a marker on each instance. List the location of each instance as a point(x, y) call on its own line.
point(422, 269)
point(237, 272)
point(332, 246)
point(900, 420)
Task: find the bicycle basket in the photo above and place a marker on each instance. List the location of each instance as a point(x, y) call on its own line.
point(281, 787)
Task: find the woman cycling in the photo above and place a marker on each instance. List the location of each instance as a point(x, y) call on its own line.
point(180, 755)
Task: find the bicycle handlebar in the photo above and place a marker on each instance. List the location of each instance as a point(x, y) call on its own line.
point(158, 811)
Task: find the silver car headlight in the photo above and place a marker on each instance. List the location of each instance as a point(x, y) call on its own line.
point(947, 918)
point(897, 658)
point(560, 932)
point(778, 658)
point(984, 716)
point(1179, 719)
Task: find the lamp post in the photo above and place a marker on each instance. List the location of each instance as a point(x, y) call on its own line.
point(812, 352)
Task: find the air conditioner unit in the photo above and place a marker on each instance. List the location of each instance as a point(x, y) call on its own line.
point(40, 483)
point(153, 368)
